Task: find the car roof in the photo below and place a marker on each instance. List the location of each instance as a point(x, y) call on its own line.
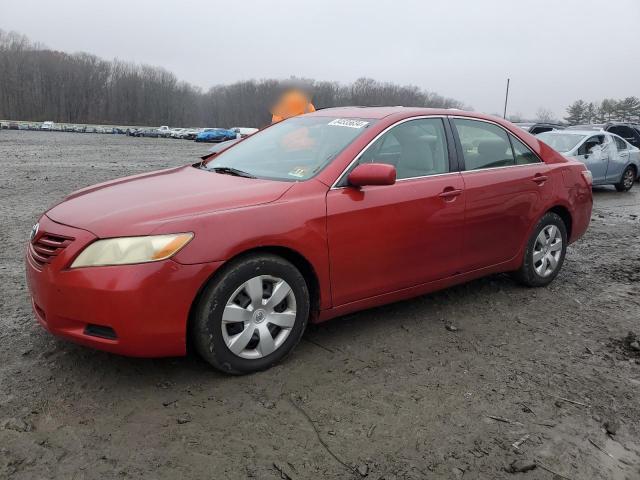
point(589, 126)
point(368, 112)
point(377, 113)
point(577, 132)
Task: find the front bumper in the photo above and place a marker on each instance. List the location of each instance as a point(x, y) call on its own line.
point(146, 306)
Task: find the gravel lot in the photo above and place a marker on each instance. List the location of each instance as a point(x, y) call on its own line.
point(387, 393)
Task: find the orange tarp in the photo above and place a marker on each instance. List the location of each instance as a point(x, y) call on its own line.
point(291, 104)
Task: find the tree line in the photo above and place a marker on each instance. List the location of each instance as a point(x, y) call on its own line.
point(40, 84)
point(609, 110)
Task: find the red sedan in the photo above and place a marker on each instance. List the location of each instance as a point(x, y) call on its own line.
point(312, 218)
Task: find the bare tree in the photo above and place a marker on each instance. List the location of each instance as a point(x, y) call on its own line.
point(41, 84)
point(545, 115)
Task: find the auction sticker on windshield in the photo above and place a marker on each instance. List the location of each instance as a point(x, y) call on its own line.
point(298, 172)
point(346, 122)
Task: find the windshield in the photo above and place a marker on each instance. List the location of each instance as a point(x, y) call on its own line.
point(295, 149)
point(562, 142)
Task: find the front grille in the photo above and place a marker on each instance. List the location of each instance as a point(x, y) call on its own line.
point(46, 247)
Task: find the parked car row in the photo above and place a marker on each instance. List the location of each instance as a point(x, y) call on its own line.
point(212, 135)
point(59, 127)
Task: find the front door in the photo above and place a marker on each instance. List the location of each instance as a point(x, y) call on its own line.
point(386, 238)
point(594, 153)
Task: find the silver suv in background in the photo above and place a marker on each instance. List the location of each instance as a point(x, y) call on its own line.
point(610, 158)
point(629, 131)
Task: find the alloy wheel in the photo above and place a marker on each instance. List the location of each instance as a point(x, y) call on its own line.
point(627, 181)
point(258, 317)
point(547, 250)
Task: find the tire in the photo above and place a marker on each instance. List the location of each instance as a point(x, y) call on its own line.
point(627, 179)
point(540, 271)
point(232, 312)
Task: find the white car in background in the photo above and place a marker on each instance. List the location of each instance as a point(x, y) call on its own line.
point(244, 131)
point(47, 125)
point(610, 158)
point(176, 132)
point(190, 133)
point(164, 131)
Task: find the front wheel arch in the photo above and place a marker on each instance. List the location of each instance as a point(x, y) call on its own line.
point(296, 258)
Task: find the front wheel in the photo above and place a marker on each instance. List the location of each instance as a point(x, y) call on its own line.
point(626, 181)
point(545, 252)
point(252, 315)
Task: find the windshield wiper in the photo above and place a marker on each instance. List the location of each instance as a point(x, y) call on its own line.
point(232, 171)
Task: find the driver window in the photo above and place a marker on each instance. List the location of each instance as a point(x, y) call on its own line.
point(417, 148)
point(484, 145)
point(587, 147)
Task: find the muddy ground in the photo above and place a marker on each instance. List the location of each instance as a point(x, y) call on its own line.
point(386, 393)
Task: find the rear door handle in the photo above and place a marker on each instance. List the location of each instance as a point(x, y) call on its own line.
point(540, 179)
point(450, 193)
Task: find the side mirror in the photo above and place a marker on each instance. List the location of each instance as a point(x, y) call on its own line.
point(372, 174)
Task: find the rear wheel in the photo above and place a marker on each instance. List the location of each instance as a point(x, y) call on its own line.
point(251, 316)
point(545, 252)
point(627, 179)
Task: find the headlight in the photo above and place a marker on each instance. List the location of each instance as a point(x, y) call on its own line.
point(126, 250)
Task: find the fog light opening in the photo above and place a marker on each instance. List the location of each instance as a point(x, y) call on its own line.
point(100, 331)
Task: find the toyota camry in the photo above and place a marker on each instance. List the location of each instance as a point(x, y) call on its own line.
point(309, 219)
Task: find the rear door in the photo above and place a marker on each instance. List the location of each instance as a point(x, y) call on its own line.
point(505, 183)
point(618, 159)
point(386, 238)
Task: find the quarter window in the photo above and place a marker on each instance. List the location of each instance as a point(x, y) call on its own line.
point(417, 148)
point(484, 145)
point(622, 146)
point(523, 154)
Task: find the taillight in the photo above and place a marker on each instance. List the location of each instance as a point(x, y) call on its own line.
point(586, 174)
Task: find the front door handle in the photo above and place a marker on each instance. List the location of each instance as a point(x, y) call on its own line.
point(449, 194)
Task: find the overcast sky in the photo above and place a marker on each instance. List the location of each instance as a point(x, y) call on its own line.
point(554, 51)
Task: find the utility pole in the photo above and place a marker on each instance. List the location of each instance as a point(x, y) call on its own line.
point(506, 99)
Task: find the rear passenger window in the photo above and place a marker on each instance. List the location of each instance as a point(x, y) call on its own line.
point(523, 154)
point(484, 145)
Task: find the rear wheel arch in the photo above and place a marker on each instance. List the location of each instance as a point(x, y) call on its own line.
point(622, 185)
point(565, 215)
point(529, 273)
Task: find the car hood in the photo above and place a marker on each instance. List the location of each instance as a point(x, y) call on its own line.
point(140, 204)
